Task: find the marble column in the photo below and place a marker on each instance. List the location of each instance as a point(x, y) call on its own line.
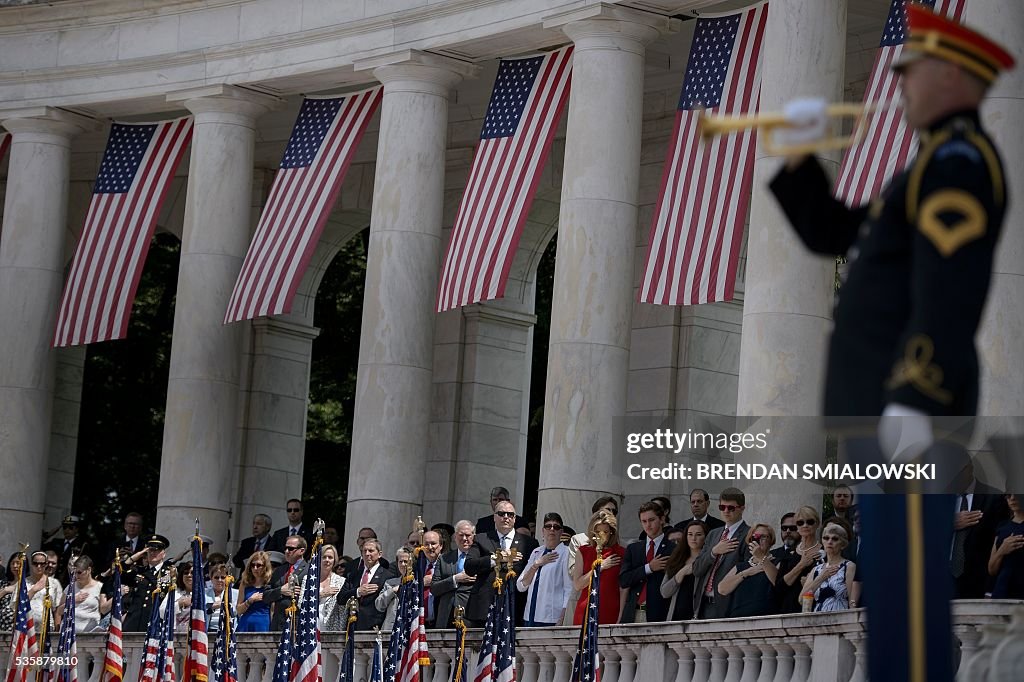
point(31, 279)
point(592, 304)
point(274, 439)
point(393, 385)
point(67, 404)
point(1001, 338)
point(789, 291)
point(201, 434)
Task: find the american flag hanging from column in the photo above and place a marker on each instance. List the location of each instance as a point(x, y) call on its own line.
point(698, 222)
point(135, 174)
point(320, 149)
point(23, 638)
point(113, 656)
point(526, 104)
point(889, 142)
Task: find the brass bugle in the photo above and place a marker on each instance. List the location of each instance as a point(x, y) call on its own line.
point(711, 126)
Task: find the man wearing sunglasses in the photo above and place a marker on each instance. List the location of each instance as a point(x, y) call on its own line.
point(295, 526)
point(286, 580)
point(722, 550)
point(545, 582)
point(504, 536)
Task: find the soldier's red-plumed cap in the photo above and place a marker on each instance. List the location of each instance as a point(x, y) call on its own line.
point(933, 35)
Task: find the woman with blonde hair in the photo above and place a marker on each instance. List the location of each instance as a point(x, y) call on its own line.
point(753, 580)
point(613, 597)
point(796, 566)
point(332, 615)
point(253, 613)
point(831, 581)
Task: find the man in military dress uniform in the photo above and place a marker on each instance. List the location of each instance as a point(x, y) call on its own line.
point(141, 574)
point(903, 344)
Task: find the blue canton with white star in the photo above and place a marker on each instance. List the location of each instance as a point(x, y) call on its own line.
point(283, 662)
point(125, 149)
point(511, 90)
point(708, 65)
point(314, 120)
point(895, 32)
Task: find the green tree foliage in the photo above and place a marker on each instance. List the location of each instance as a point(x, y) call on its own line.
point(124, 390)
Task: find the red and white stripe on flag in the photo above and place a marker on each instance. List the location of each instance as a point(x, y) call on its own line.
point(136, 172)
point(320, 149)
point(526, 103)
point(698, 221)
point(888, 142)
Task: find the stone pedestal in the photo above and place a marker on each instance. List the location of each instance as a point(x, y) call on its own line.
point(31, 279)
point(1001, 337)
point(393, 386)
point(201, 435)
point(789, 291)
point(592, 303)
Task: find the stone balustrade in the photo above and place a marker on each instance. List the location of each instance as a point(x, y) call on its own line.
point(823, 647)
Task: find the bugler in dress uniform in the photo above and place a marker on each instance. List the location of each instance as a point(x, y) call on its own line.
point(920, 261)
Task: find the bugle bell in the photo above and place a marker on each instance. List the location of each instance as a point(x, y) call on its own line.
point(711, 126)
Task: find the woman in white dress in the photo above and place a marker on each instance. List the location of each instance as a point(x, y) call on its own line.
point(215, 596)
point(88, 601)
point(332, 614)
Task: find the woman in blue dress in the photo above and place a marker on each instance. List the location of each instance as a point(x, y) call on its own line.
point(253, 612)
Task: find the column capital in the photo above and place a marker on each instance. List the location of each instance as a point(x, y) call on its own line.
point(415, 69)
point(612, 26)
point(492, 313)
point(47, 120)
point(225, 99)
point(271, 325)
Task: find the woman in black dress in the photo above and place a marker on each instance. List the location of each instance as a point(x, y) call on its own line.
point(678, 582)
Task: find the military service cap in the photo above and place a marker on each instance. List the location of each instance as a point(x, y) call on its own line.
point(157, 541)
point(933, 35)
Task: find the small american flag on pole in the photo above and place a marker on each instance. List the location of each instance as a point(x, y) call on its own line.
point(225, 650)
point(113, 657)
point(67, 646)
point(320, 149)
point(306, 663)
point(23, 637)
point(197, 658)
point(135, 174)
point(586, 667)
point(888, 142)
point(705, 187)
point(526, 103)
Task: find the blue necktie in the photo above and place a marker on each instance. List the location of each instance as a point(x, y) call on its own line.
point(536, 588)
point(462, 562)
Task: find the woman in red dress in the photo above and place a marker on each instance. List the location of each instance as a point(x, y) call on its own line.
point(613, 598)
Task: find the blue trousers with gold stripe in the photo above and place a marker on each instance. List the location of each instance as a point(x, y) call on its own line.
point(904, 561)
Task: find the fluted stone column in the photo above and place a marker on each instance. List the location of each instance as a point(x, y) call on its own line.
point(591, 310)
point(1001, 338)
point(201, 434)
point(31, 279)
point(789, 291)
point(393, 385)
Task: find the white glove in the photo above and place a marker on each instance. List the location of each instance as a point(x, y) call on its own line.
point(904, 432)
point(806, 122)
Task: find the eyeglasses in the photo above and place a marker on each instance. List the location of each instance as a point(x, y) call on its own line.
point(38, 563)
point(806, 522)
point(552, 526)
point(505, 514)
point(291, 548)
point(217, 577)
point(728, 507)
point(293, 509)
point(788, 528)
point(255, 564)
point(830, 538)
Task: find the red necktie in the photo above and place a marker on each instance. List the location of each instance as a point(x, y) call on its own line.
point(366, 577)
point(709, 588)
point(650, 558)
point(288, 575)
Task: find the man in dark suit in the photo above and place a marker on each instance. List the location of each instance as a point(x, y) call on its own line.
point(259, 541)
point(365, 586)
point(504, 536)
point(485, 524)
point(294, 527)
point(724, 548)
point(699, 503)
point(643, 569)
point(452, 585)
point(978, 511)
point(133, 539)
point(70, 544)
point(286, 580)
